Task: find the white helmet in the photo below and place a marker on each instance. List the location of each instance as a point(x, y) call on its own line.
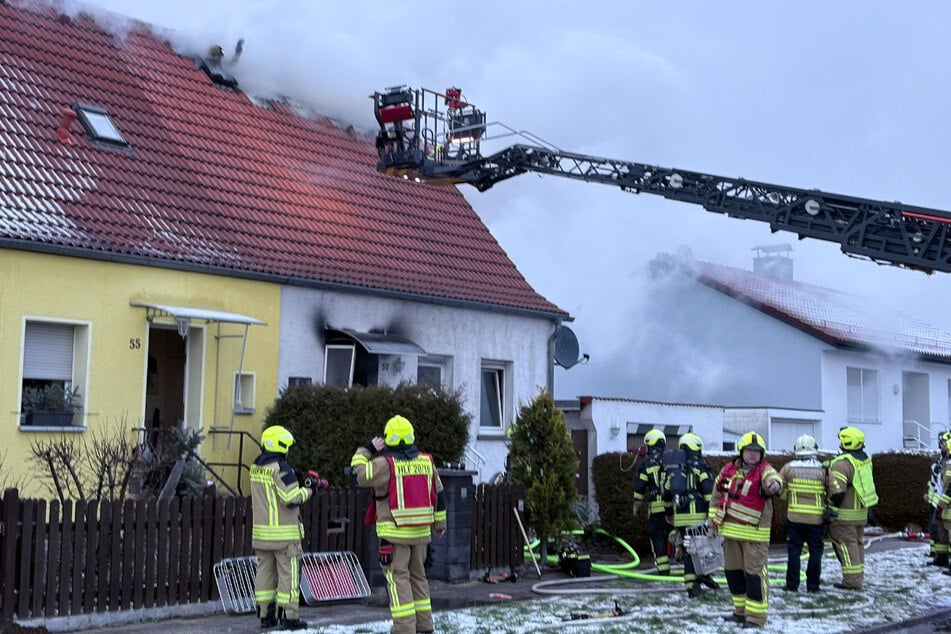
point(806, 445)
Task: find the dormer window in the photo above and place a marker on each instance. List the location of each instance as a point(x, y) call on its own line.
point(99, 126)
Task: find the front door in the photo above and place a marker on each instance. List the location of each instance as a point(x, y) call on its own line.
point(165, 382)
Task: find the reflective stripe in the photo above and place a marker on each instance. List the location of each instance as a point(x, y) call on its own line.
point(361, 460)
point(744, 532)
point(389, 529)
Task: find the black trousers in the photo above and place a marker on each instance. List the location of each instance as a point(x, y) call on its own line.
point(797, 535)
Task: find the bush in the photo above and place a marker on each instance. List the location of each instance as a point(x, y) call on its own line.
point(900, 478)
point(329, 423)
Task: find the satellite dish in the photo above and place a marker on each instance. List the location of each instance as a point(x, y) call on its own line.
point(566, 347)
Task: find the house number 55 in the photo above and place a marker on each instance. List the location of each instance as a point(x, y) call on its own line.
point(135, 343)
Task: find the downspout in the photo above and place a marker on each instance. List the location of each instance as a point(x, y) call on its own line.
point(551, 359)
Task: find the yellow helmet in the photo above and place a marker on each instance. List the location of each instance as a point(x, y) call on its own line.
point(277, 439)
point(398, 429)
point(945, 438)
point(654, 438)
point(851, 438)
point(751, 440)
point(692, 442)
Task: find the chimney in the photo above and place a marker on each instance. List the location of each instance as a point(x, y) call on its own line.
point(773, 261)
point(62, 132)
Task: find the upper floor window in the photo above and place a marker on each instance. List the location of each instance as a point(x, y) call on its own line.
point(862, 395)
point(495, 395)
point(55, 356)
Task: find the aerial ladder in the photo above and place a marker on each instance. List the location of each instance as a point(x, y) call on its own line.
point(432, 137)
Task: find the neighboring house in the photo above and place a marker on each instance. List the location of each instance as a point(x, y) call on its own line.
point(178, 253)
point(784, 358)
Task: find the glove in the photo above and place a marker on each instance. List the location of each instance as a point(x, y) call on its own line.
point(386, 554)
point(829, 514)
point(314, 482)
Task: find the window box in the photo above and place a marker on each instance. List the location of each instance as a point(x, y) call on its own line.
point(48, 419)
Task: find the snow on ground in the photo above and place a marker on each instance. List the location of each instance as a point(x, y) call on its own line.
point(898, 586)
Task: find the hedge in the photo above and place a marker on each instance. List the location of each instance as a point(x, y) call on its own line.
point(900, 478)
point(329, 423)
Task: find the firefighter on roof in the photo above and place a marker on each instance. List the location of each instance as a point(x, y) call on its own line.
point(650, 486)
point(277, 531)
point(851, 495)
point(408, 506)
point(741, 510)
point(805, 479)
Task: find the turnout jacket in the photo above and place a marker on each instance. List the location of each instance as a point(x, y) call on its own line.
point(404, 482)
point(805, 480)
point(741, 506)
point(843, 495)
point(649, 484)
point(944, 502)
point(276, 498)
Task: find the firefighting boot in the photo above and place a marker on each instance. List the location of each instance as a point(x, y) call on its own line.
point(269, 618)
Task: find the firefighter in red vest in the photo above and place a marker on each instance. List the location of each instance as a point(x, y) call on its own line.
point(741, 510)
point(409, 507)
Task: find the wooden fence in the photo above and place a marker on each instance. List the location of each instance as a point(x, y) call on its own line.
point(99, 556)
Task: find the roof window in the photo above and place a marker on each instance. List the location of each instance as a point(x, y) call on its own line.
point(99, 126)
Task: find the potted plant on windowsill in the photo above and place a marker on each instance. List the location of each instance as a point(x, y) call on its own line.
point(49, 406)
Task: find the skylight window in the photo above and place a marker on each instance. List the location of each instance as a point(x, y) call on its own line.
point(99, 126)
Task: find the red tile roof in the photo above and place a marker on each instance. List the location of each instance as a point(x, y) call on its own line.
point(839, 318)
point(218, 183)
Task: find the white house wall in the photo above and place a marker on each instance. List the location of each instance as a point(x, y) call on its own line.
point(622, 414)
point(697, 345)
point(466, 335)
point(886, 434)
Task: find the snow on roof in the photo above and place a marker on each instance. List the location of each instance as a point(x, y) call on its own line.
point(213, 181)
point(840, 318)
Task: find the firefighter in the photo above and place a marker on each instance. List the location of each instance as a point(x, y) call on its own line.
point(741, 510)
point(805, 480)
point(851, 495)
point(409, 506)
point(688, 487)
point(649, 486)
point(944, 502)
point(936, 488)
point(277, 531)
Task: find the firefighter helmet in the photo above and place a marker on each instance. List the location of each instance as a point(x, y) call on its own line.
point(398, 430)
point(851, 438)
point(945, 438)
point(277, 439)
point(655, 438)
point(751, 440)
point(691, 442)
point(806, 445)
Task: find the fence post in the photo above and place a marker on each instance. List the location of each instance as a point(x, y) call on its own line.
point(449, 554)
point(8, 552)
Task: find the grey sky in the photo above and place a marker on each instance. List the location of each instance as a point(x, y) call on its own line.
point(849, 97)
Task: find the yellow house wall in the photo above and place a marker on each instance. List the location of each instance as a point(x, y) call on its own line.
point(57, 287)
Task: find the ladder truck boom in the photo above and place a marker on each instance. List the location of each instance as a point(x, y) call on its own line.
point(435, 138)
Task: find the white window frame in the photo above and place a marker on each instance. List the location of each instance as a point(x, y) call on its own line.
point(245, 387)
point(79, 367)
point(501, 378)
point(863, 395)
point(332, 347)
point(441, 363)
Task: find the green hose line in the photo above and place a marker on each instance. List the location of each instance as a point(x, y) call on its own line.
point(627, 570)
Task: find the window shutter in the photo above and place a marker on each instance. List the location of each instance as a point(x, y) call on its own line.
point(48, 352)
